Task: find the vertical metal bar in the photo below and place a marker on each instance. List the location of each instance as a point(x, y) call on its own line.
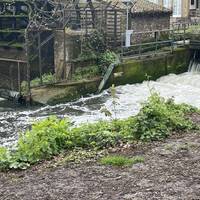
point(127, 17)
point(19, 77)
point(115, 28)
point(172, 42)
point(28, 65)
point(86, 21)
point(184, 35)
point(10, 75)
point(64, 54)
point(106, 26)
point(140, 46)
point(156, 35)
point(40, 59)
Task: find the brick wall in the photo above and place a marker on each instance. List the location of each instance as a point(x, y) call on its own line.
point(149, 23)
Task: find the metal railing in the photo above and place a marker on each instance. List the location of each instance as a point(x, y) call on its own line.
point(155, 42)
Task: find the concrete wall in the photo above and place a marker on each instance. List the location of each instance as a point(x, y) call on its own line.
point(134, 71)
point(130, 72)
point(72, 50)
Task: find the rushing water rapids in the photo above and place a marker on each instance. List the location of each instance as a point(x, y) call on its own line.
point(184, 88)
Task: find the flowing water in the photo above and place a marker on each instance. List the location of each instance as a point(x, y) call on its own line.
point(184, 88)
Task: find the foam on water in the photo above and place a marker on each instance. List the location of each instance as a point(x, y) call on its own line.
point(185, 88)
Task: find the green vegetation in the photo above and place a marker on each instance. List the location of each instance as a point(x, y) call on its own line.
point(46, 79)
point(158, 117)
point(103, 61)
point(120, 161)
point(194, 29)
point(94, 49)
point(86, 73)
point(47, 138)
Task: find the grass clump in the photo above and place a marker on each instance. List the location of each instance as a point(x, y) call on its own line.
point(49, 137)
point(119, 161)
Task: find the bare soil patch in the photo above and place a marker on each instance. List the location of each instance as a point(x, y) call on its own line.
point(171, 171)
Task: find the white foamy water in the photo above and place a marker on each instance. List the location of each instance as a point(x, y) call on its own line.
point(185, 88)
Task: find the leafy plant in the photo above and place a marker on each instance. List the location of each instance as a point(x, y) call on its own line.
point(5, 158)
point(46, 79)
point(86, 73)
point(158, 117)
point(49, 137)
point(46, 138)
point(114, 97)
point(105, 59)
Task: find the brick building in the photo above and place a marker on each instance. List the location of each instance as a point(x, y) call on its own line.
point(182, 9)
point(146, 15)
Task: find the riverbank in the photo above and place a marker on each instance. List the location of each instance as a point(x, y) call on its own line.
point(129, 71)
point(170, 171)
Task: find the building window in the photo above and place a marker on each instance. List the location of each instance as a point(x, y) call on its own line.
point(167, 3)
point(192, 2)
point(154, 1)
point(177, 8)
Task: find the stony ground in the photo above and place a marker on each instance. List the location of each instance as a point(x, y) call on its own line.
point(171, 171)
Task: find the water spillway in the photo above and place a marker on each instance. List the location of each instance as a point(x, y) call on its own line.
point(194, 66)
point(185, 88)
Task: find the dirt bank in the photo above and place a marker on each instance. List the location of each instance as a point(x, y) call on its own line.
point(170, 172)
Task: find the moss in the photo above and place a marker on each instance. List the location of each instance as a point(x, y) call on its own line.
point(70, 93)
point(179, 61)
point(134, 71)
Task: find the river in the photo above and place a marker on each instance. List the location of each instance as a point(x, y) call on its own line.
point(185, 88)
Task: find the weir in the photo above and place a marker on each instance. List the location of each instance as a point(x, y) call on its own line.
point(194, 65)
point(34, 41)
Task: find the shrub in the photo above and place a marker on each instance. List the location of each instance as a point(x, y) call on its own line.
point(158, 117)
point(45, 139)
point(49, 137)
point(105, 59)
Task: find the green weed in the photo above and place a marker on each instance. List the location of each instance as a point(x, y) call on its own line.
point(118, 160)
